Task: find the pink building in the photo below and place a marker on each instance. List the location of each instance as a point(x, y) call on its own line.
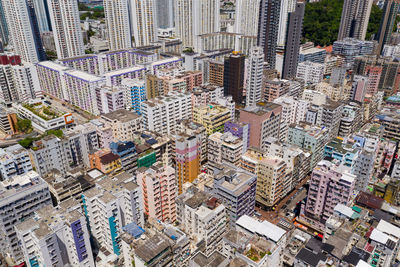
point(158, 185)
point(359, 88)
point(192, 78)
point(374, 75)
point(274, 89)
point(264, 121)
point(330, 184)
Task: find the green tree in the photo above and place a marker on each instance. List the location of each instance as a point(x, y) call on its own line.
point(24, 125)
point(26, 143)
point(374, 21)
point(321, 21)
point(59, 133)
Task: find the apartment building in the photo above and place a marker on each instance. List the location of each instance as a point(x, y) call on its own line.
point(14, 160)
point(273, 177)
point(20, 197)
point(241, 130)
point(114, 203)
point(212, 117)
point(310, 72)
point(190, 128)
point(43, 237)
point(224, 148)
point(159, 188)
point(162, 113)
point(265, 122)
point(311, 138)
point(123, 123)
point(330, 185)
point(235, 188)
point(202, 217)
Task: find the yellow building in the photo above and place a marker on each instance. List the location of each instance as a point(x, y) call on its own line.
point(273, 181)
point(212, 117)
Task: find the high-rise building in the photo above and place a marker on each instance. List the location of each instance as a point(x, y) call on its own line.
point(4, 34)
point(187, 157)
point(216, 72)
point(24, 30)
point(246, 20)
point(268, 25)
point(224, 148)
point(236, 188)
point(292, 48)
point(234, 76)
point(114, 203)
point(42, 15)
point(212, 117)
point(14, 160)
point(202, 217)
point(66, 28)
point(15, 194)
point(117, 22)
point(43, 239)
point(165, 13)
point(273, 177)
point(355, 17)
point(134, 93)
point(329, 185)
point(143, 22)
point(390, 10)
point(161, 114)
point(158, 185)
point(194, 18)
point(254, 83)
point(264, 121)
point(287, 6)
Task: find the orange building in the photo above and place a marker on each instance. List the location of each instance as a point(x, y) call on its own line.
point(187, 156)
point(105, 161)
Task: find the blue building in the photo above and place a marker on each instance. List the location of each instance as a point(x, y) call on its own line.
point(135, 93)
point(126, 150)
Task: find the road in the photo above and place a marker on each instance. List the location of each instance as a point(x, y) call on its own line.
point(79, 116)
point(276, 215)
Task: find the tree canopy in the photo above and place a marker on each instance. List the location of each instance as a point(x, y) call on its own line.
point(322, 21)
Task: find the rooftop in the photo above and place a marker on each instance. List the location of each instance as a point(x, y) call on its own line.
point(151, 248)
point(265, 228)
point(121, 115)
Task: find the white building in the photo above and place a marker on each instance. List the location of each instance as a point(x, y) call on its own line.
point(224, 148)
point(310, 72)
point(202, 218)
point(112, 204)
point(117, 21)
point(246, 20)
point(23, 29)
point(123, 123)
point(14, 160)
point(161, 114)
point(66, 25)
point(286, 7)
point(56, 237)
point(14, 196)
point(254, 81)
point(194, 18)
point(143, 22)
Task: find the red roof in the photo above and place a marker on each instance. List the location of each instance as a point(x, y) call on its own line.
point(369, 200)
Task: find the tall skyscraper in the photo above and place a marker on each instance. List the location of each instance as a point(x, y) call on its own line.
point(355, 17)
point(67, 31)
point(390, 10)
point(24, 34)
point(196, 17)
point(287, 6)
point(3, 25)
point(268, 24)
point(165, 13)
point(246, 21)
point(255, 68)
point(42, 15)
point(234, 76)
point(117, 21)
point(143, 22)
point(293, 39)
